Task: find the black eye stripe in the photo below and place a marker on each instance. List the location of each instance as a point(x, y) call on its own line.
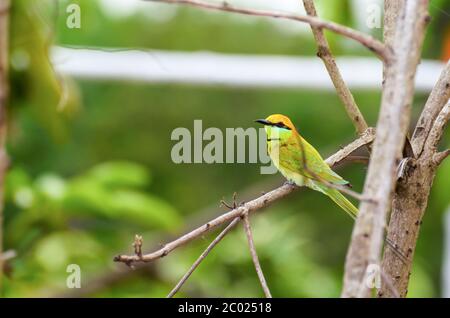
point(281, 125)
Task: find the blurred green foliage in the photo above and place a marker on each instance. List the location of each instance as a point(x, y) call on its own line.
point(78, 190)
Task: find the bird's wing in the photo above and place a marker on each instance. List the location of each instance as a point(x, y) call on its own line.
point(314, 167)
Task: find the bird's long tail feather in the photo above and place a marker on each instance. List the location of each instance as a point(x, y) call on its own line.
point(337, 197)
point(342, 201)
point(351, 210)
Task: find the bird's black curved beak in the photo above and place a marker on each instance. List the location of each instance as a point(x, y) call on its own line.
point(263, 121)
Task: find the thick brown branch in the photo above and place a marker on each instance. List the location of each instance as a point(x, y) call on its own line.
point(411, 195)
point(392, 126)
point(251, 245)
point(250, 207)
point(367, 40)
point(324, 52)
point(408, 208)
point(392, 10)
point(412, 192)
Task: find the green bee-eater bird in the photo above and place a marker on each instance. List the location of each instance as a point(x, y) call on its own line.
point(301, 163)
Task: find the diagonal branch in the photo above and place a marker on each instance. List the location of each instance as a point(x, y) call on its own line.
point(249, 207)
point(436, 101)
point(251, 245)
point(342, 89)
point(367, 40)
point(203, 256)
point(437, 129)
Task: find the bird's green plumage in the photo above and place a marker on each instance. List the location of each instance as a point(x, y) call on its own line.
point(301, 163)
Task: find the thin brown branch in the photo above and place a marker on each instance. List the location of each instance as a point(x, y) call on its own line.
point(398, 91)
point(436, 101)
point(367, 40)
point(358, 159)
point(437, 130)
point(249, 207)
point(203, 256)
point(251, 245)
point(116, 275)
point(324, 52)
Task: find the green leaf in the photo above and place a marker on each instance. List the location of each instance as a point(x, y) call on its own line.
point(89, 196)
point(145, 209)
point(121, 174)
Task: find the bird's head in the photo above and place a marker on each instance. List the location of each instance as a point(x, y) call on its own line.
point(278, 126)
point(278, 121)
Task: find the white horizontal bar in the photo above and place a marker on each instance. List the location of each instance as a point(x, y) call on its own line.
point(205, 68)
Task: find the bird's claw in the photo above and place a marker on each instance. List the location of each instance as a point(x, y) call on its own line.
point(289, 183)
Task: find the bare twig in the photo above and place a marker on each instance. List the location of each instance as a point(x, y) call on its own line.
point(251, 245)
point(343, 91)
point(436, 101)
point(358, 159)
point(249, 207)
point(367, 40)
point(138, 245)
point(116, 275)
point(392, 126)
point(437, 130)
point(203, 256)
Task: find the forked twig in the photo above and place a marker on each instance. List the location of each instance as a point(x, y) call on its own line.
point(251, 244)
point(203, 256)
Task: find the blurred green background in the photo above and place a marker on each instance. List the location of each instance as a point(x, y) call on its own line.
point(90, 162)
